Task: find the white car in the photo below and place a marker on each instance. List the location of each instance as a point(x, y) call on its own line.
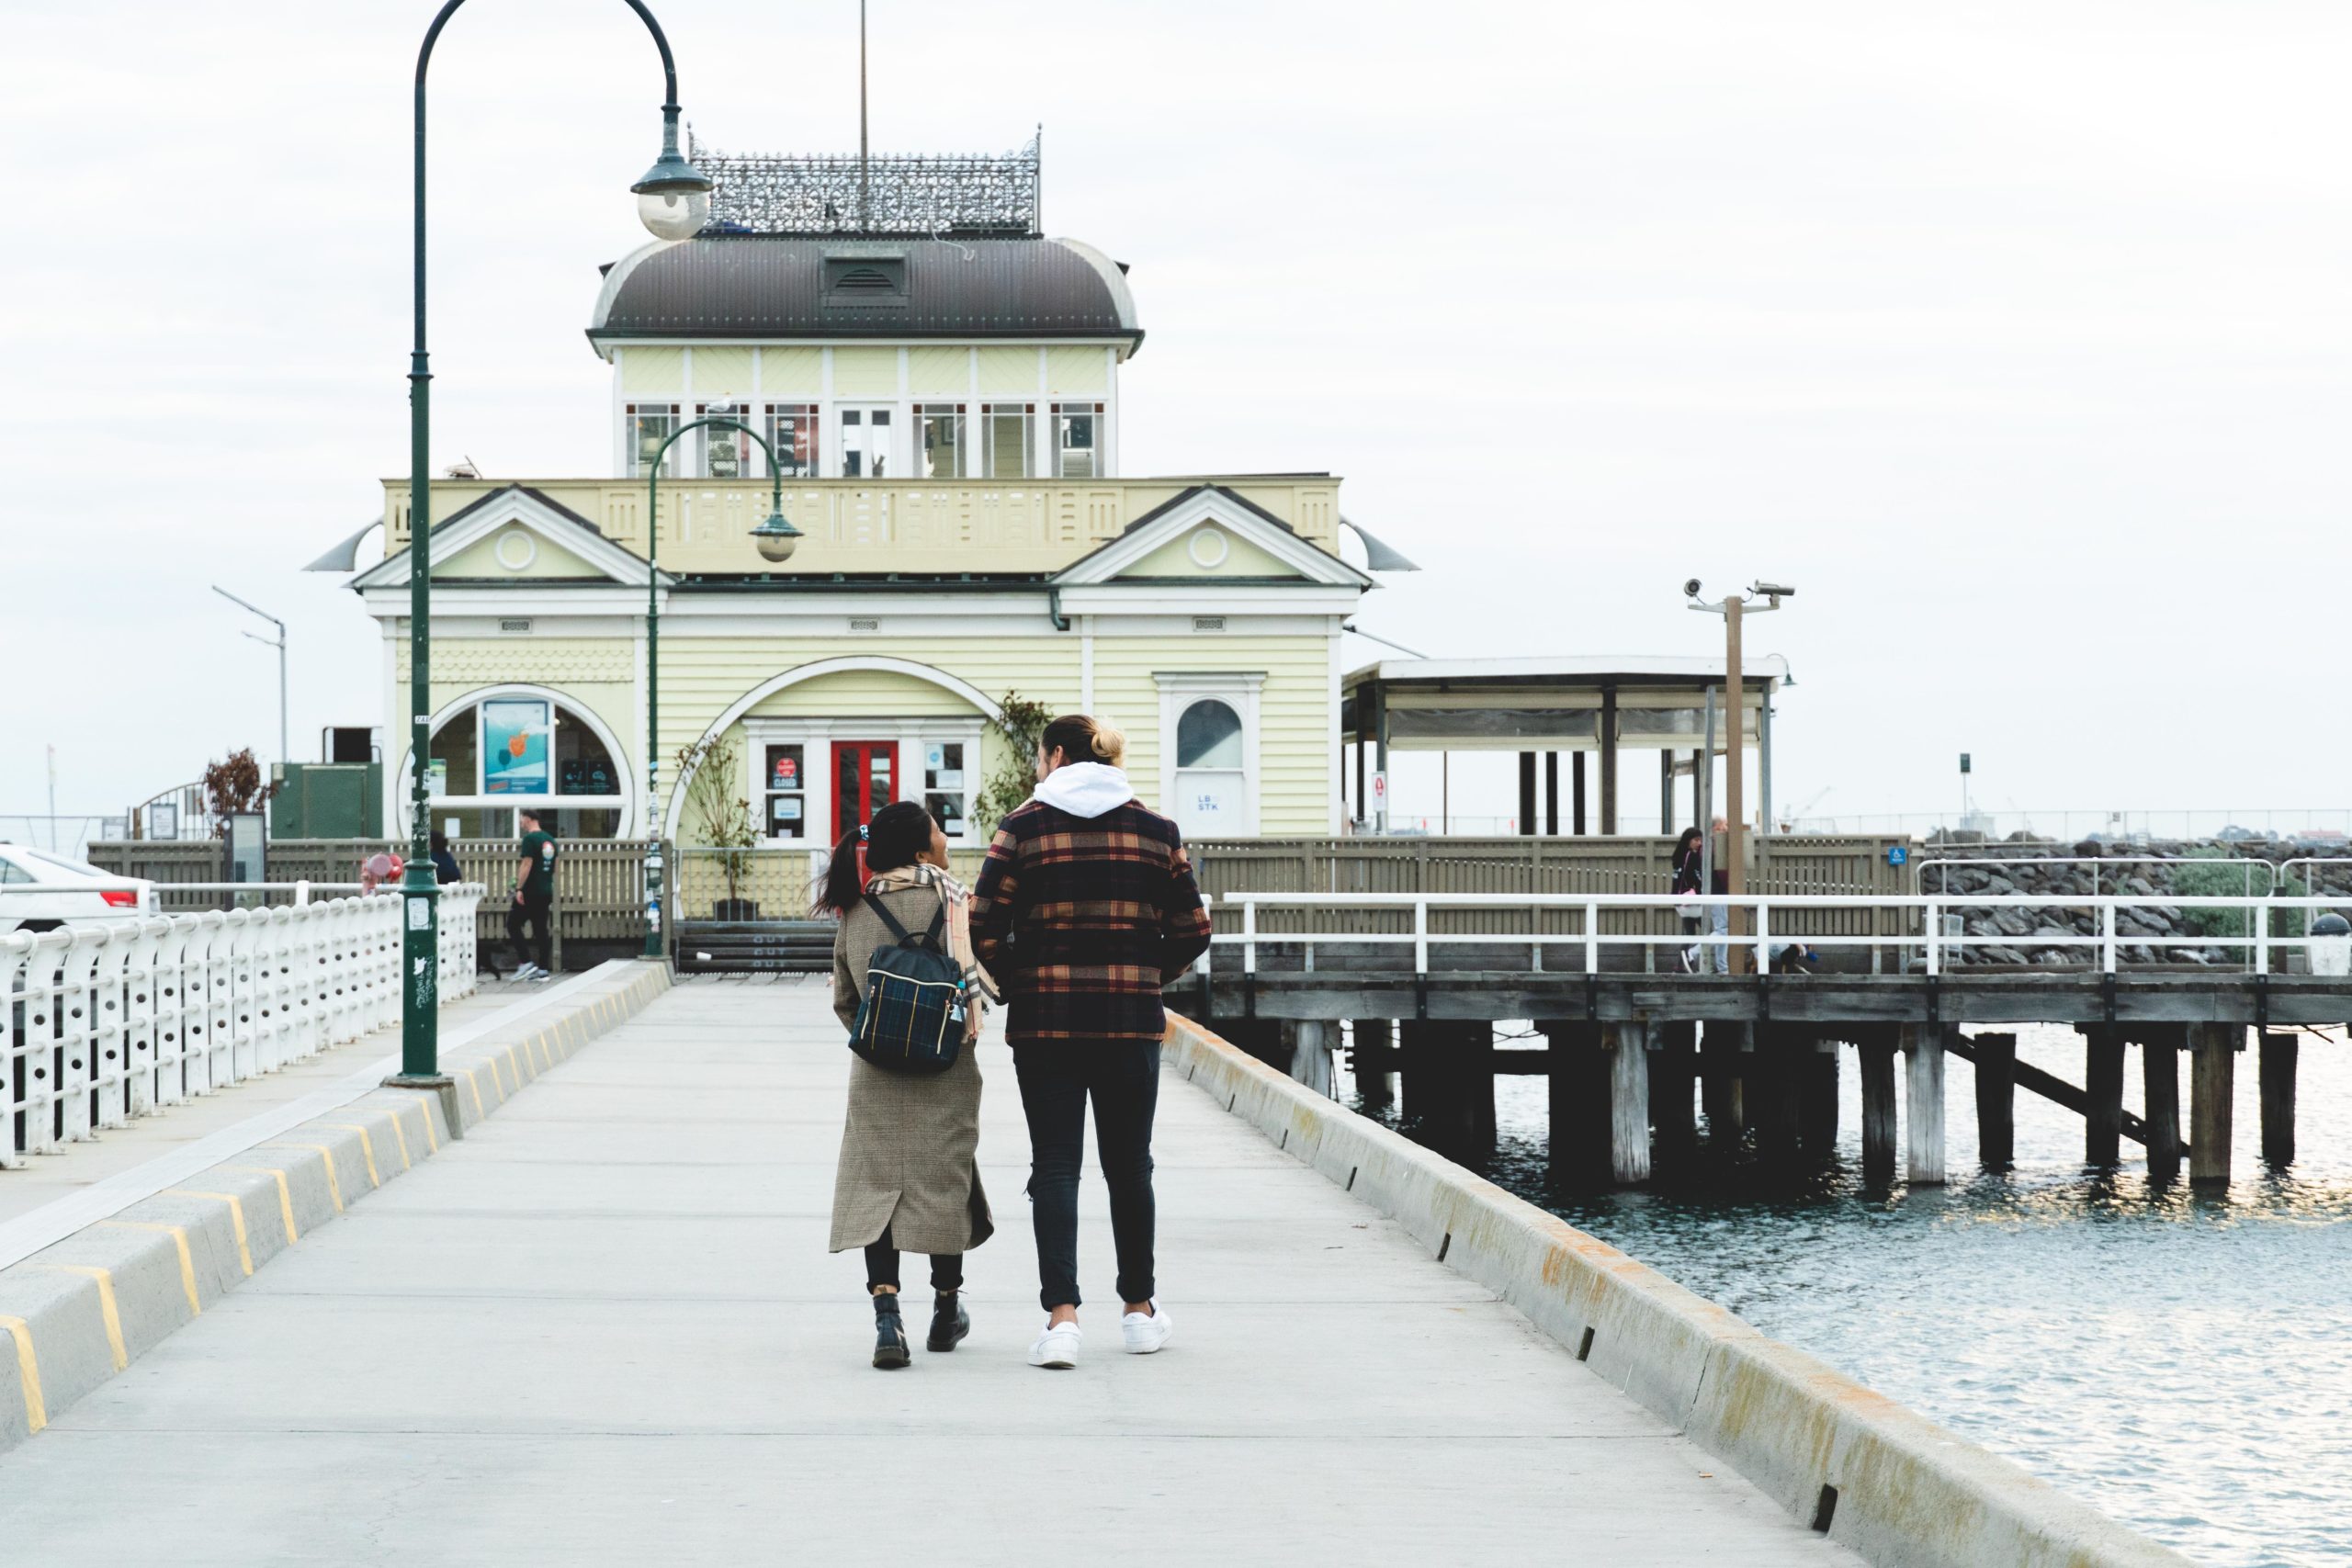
point(39, 892)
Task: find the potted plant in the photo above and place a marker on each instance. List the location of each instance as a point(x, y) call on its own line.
point(722, 818)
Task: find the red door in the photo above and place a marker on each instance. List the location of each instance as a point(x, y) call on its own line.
point(865, 779)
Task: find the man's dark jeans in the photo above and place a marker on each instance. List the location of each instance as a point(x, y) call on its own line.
point(1057, 1079)
point(532, 916)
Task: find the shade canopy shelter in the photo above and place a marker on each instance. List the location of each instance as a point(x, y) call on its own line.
point(1545, 707)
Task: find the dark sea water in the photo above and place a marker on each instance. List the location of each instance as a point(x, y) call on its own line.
point(2180, 1361)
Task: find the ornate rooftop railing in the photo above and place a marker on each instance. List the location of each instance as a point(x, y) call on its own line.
point(894, 195)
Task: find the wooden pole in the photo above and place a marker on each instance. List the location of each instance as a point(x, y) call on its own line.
point(2160, 1080)
point(2102, 1094)
point(1672, 1066)
point(1608, 759)
point(1552, 793)
point(1878, 1110)
point(1996, 1111)
point(1527, 822)
point(1629, 1104)
point(1310, 1057)
point(1772, 1094)
point(1580, 1091)
point(2212, 1070)
point(1575, 792)
point(1817, 1113)
point(2277, 1067)
point(1923, 1061)
point(1721, 1068)
point(1375, 1085)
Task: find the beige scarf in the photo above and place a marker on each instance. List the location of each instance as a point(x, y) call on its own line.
point(958, 900)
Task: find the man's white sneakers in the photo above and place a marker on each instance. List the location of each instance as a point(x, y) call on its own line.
point(1144, 1331)
point(1055, 1347)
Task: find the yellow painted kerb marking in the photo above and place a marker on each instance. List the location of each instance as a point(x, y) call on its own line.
point(400, 1136)
point(334, 1186)
point(106, 1312)
point(284, 1196)
point(188, 1263)
point(474, 1084)
point(236, 1217)
point(367, 1145)
point(28, 1374)
point(432, 1143)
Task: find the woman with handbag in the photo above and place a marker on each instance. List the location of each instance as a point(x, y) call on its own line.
point(909, 1177)
point(1690, 870)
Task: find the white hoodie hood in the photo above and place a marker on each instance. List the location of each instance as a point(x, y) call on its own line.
point(1086, 789)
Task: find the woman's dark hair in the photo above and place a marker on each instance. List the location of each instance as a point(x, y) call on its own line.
point(1689, 840)
point(440, 842)
point(897, 837)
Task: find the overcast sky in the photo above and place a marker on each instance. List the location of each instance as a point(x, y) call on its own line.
point(2013, 335)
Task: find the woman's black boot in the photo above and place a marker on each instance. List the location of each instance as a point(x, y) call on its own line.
point(890, 1350)
point(949, 1322)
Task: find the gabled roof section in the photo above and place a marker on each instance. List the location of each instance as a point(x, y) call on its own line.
point(1257, 537)
point(564, 544)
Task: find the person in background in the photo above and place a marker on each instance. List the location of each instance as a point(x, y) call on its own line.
point(534, 897)
point(1719, 915)
point(444, 864)
point(1690, 866)
point(909, 1174)
point(1085, 907)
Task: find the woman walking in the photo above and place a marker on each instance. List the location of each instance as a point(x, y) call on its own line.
point(908, 1176)
point(1086, 907)
point(1690, 870)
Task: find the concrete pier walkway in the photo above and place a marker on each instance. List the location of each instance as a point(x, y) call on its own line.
point(603, 1330)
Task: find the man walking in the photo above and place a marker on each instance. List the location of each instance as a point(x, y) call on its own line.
point(1086, 906)
point(534, 895)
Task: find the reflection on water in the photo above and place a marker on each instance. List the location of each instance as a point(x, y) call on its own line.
point(2180, 1360)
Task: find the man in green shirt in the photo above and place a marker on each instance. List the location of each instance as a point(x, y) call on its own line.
point(534, 893)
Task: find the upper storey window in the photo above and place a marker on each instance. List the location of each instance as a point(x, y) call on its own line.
point(650, 425)
point(866, 431)
point(792, 431)
point(725, 454)
point(940, 431)
point(1078, 440)
point(1008, 438)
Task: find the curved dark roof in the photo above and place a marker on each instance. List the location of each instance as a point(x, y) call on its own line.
point(761, 286)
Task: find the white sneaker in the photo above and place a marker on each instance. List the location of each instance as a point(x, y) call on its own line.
point(524, 971)
point(1146, 1332)
point(1055, 1347)
point(540, 976)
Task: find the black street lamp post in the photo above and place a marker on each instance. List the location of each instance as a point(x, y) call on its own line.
point(673, 200)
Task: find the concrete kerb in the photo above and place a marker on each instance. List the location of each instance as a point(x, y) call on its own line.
point(76, 1312)
point(1885, 1481)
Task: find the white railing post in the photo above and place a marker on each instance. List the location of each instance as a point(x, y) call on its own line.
point(2107, 934)
point(2259, 914)
point(1763, 936)
point(1421, 936)
point(1591, 938)
point(1250, 936)
point(1935, 935)
point(303, 893)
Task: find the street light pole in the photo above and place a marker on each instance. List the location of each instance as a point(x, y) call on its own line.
point(673, 200)
point(1734, 608)
point(284, 755)
point(778, 538)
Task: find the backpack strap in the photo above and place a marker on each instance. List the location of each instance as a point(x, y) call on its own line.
point(931, 938)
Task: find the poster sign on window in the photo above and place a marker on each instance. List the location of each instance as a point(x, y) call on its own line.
point(516, 734)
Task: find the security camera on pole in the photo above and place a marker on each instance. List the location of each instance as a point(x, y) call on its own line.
point(1732, 607)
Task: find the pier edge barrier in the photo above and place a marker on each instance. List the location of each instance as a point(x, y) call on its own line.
point(1908, 1494)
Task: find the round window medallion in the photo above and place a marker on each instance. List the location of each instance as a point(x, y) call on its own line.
point(516, 549)
point(1208, 548)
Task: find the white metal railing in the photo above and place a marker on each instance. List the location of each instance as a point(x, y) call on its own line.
point(1930, 939)
point(100, 1023)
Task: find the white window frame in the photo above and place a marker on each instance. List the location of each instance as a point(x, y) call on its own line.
point(630, 413)
point(815, 736)
point(1026, 408)
point(624, 802)
point(808, 409)
point(1239, 690)
point(1089, 409)
point(748, 461)
point(961, 412)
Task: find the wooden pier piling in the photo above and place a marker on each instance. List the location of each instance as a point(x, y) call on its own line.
point(1310, 1054)
point(1722, 1066)
point(2212, 1071)
point(2160, 1091)
point(1923, 1061)
point(2102, 1095)
point(1674, 1063)
point(1997, 1098)
point(1581, 1098)
point(2277, 1067)
point(1817, 1100)
point(1879, 1122)
point(1771, 1094)
point(1629, 1104)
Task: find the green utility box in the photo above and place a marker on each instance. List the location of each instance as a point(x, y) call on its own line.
point(327, 800)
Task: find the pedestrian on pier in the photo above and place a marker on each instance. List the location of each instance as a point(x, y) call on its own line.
point(1690, 870)
point(530, 926)
point(909, 1173)
point(1085, 909)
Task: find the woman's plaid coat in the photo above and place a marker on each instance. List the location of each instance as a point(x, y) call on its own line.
point(1082, 920)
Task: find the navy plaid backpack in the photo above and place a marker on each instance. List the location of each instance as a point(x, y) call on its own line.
point(912, 1020)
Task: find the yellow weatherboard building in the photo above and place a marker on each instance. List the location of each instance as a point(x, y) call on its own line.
point(938, 383)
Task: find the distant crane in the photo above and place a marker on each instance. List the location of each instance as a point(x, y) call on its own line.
point(1797, 814)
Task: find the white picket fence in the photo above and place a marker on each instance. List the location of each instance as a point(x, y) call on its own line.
point(99, 1023)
